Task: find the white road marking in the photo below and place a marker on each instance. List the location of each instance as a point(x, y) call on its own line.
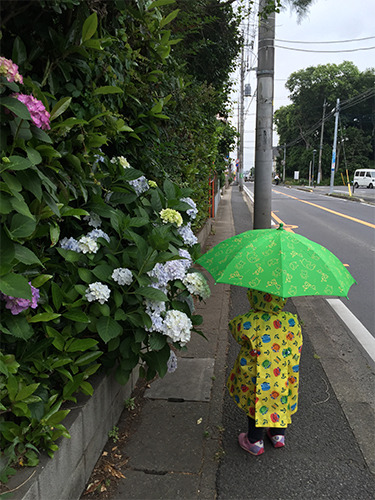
point(358, 330)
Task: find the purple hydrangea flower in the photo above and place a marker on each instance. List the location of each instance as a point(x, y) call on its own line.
point(38, 112)
point(17, 304)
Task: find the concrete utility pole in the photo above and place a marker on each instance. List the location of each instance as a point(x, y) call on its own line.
point(241, 120)
point(321, 144)
point(333, 164)
point(264, 119)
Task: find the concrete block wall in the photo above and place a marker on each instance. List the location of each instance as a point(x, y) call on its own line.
point(65, 476)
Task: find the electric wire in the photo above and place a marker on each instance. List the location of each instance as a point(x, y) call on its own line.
point(326, 42)
point(321, 51)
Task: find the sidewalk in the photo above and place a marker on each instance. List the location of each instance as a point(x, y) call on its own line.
point(180, 449)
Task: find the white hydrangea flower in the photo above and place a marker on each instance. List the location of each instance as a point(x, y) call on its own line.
point(87, 245)
point(123, 162)
point(98, 291)
point(122, 276)
point(93, 220)
point(157, 322)
point(197, 285)
point(70, 244)
point(186, 258)
point(170, 215)
point(177, 326)
point(98, 233)
point(140, 185)
point(192, 212)
point(187, 235)
point(172, 362)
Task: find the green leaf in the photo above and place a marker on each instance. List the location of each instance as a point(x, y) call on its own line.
point(19, 163)
point(85, 275)
point(108, 89)
point(69, 211)
point(57, 417)
point(169, 18)
point(21, 207)
point(93, 44)
point(159, 3)
point(157, 341)
point(16, 106)
point(87, 388)
point(26, 391)
point(34, 156)
point(25, 255)
point(103, 272)
point(197, 319)
point(43, 317)
point(15, 285)
point(41, 279)
point(152, 293)
point(19, 327)
point(87, 358)
point(5, 206)
point(89, 27)
point(7, 251)
point(170, 189)
point(19, 54)
point(60, 107)
point(108, 328)
point(57, 295)
point(54, 233)
point(21, 226)
point(40, 134)
point(81, 345)
point(77, 315)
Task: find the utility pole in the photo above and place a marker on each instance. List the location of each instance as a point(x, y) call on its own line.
point(264, 119)
point(284, 163)
point(321, 144)
point(333, 164)
point(241, 121)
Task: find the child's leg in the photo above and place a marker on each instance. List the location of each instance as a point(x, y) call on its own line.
point(277, 431)
point(277, 436)
point(254, 434)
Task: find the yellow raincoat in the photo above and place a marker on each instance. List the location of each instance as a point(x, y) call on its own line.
point(264, 379)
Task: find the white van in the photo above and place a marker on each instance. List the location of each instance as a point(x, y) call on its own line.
point(364, 177)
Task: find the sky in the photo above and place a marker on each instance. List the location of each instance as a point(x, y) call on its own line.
point(326, 21)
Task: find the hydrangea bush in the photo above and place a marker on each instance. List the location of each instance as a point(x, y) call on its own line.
point(96, 269)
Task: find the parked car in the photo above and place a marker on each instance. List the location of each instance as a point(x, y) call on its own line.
point(364, 177)
point(247, 176)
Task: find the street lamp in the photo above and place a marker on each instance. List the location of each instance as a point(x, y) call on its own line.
point(313, 165)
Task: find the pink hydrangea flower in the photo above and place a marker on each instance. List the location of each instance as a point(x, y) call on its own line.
point(10, 70)
point(38, 112)
point(17, 305)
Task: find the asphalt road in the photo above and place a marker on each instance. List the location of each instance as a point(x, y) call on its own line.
point(345, 227)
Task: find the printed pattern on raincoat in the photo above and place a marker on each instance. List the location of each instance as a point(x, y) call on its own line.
point(265, 376)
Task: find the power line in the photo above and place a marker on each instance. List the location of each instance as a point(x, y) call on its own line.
point(332, 41)
point(345, 105)
point(324, 51)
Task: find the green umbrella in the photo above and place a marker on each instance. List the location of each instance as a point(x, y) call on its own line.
point(279, 262)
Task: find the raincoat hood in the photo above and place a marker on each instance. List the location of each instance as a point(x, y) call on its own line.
point(262, 301)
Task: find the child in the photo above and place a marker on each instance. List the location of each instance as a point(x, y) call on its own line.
point(264, 379)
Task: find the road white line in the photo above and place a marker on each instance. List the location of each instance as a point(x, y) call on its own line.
point(358, 330)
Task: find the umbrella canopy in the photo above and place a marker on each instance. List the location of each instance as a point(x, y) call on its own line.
point(278, 262)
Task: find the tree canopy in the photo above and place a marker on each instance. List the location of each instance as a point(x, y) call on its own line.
point(299, 124)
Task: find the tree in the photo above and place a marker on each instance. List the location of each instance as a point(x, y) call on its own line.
point(298, 124)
